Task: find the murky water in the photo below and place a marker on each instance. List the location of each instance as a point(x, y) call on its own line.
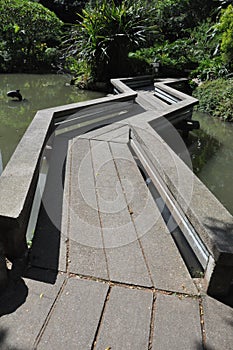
point(211, 150)
point(39, 92)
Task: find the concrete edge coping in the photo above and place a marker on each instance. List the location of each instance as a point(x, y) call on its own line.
point(211, 220)
point(121, 86)
point(198, 215)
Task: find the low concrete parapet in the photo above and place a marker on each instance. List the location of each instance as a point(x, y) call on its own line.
point(191, 203)
point(127, 84)
point(19, 179)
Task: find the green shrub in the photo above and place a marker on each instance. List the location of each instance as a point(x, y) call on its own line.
point(28, 32)
point(211, 68)
point(173, 56)
point(215, 98)
point(196, 53)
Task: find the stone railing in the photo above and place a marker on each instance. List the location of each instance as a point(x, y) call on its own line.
point(206, 224)
point(19, 179)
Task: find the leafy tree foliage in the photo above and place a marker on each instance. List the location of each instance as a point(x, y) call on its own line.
point(225, 29)
point(174, 17)
point(29, 34)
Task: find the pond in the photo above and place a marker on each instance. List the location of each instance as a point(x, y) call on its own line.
point(39, 92)
point(211, 150)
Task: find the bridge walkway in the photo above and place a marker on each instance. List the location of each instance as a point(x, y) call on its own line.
point(121, 282)
point(104, 271)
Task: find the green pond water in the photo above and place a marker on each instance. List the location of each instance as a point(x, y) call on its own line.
point(211, 150)
point(39, 92)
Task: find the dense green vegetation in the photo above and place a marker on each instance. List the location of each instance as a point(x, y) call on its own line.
point(215, 97)
point(187, 37)
point(100, 42)
point(30, 34)
point(99, 39)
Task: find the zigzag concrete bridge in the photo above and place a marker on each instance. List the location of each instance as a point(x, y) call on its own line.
point(130, 250)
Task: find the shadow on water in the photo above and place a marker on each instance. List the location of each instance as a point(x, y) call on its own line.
point(202, 148)
point(211, 152)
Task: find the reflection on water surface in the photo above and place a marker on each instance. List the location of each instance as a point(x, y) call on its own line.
point(39, 92)
point(211, 150)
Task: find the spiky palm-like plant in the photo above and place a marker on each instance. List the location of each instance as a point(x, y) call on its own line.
point(106, 33)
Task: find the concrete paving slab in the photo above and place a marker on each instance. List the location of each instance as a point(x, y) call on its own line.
point(126, 264)
point(80, 204)
point(126, 321)
point(134, 187)
point(167, 268)
point(177, 323)
point(124, 256)
point(119, 135)
point(114, 214)
point(80, 223)
point(137, 193)
point(117, 218)
point(158, 245)
point(218, 323)
point(111, 201)
point(103, 164)
point(84, 225)
point(24, 309)
point(75, 317)
point(65, 212)
point(82, 176)
point(119, 235)
point(87, 261)
point(101, 132)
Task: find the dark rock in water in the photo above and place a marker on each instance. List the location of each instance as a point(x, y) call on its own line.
point(15, 94)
